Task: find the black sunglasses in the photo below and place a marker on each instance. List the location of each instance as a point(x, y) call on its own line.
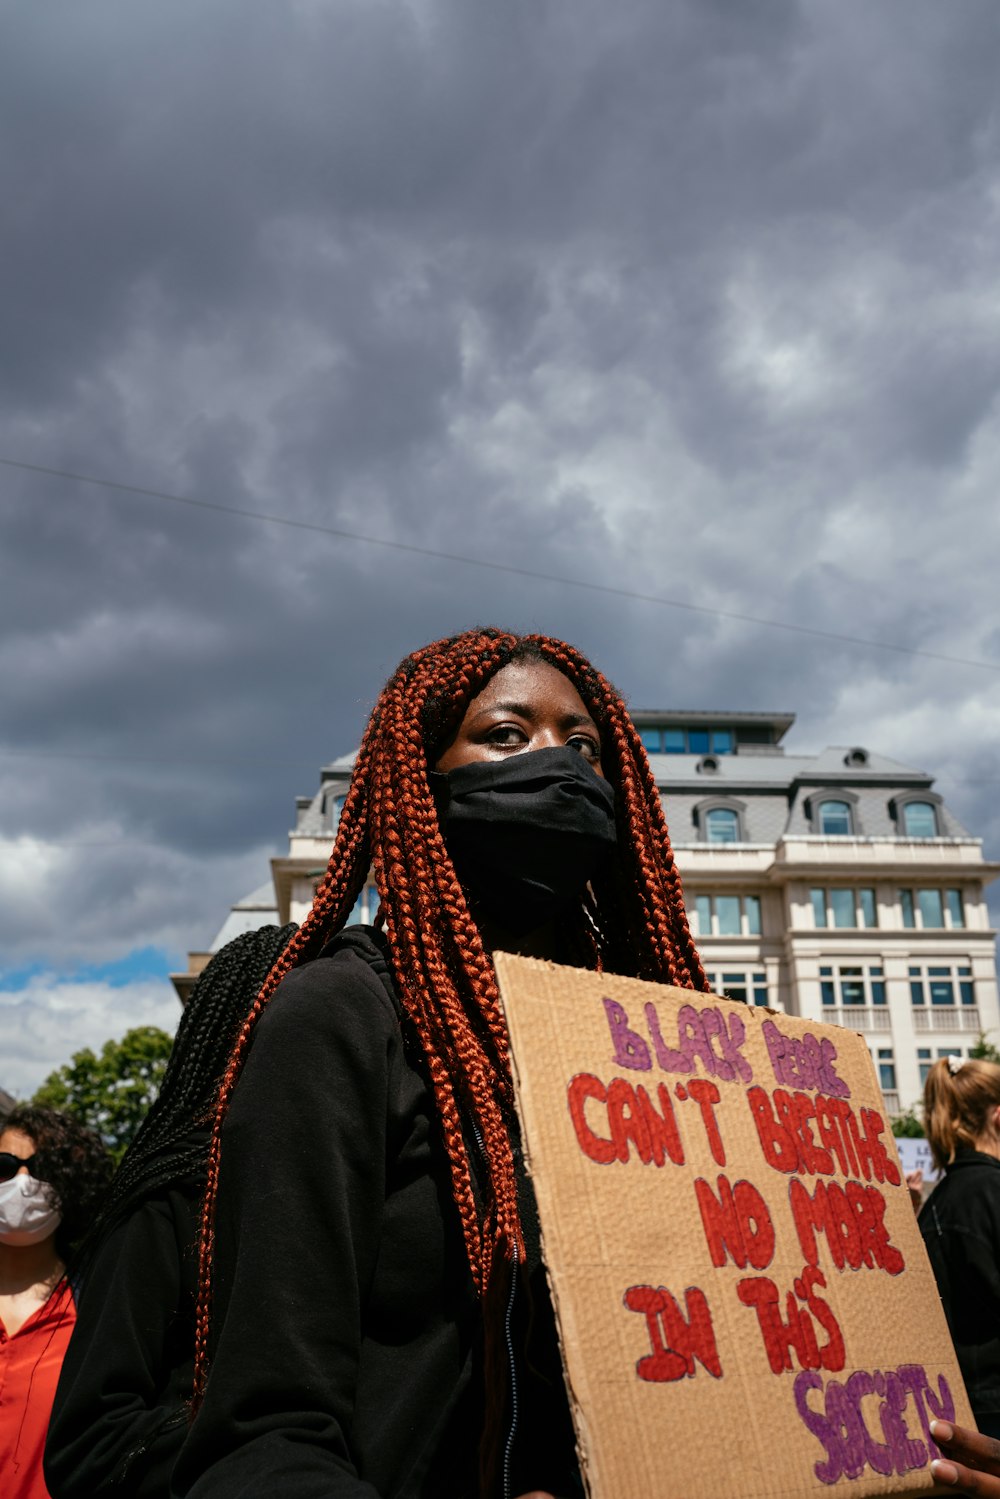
point(11, 1164)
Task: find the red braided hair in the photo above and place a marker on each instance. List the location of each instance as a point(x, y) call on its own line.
point(633, 923)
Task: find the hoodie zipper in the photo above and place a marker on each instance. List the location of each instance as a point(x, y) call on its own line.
point(512, 1366)
point(509, 1340)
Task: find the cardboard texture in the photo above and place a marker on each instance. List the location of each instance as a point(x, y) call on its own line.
point(743, 1298)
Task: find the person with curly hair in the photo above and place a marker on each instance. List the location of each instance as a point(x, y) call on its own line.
point(121, 1405)
point(373, 1321)
point(53, 1175)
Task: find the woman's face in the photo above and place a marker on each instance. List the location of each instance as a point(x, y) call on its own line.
point(528, 705)
point(16, 1142)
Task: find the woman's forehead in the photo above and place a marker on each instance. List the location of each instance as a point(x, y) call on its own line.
point(531, 683)
point(17, 1142)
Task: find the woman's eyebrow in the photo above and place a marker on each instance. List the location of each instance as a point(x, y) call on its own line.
point(525, 710)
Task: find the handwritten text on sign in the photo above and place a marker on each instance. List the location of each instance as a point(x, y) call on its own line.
point(835, 1162)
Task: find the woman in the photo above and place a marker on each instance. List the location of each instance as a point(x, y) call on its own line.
point(960, 1221)
point(121, 1405)
point(53, 1173)
point(372, 1317)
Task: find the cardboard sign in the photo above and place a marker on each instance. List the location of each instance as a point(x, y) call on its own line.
point(744, 1302)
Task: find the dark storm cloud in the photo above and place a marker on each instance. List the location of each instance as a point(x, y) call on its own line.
point(695, 298)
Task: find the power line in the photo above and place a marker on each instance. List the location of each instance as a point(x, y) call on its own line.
point(503, 567)
point(151, 759)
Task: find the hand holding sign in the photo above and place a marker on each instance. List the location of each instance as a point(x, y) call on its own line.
point(971, 1463)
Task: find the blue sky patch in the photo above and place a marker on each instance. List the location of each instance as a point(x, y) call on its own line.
point(141, 963)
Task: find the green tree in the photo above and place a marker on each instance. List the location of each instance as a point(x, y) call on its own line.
point(908, 1126)
point(984, 1049)
point(111, 1092)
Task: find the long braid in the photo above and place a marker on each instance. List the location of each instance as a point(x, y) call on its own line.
point(634, 923)
point(171, 1144)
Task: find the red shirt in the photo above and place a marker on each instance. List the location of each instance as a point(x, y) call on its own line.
point(29, 1370)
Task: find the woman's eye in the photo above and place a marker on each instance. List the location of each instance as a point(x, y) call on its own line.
point(506, 734)
point(585, 746)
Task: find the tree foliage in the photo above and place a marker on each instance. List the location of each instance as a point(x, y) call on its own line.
point(111, 1092)
point(984, 1049)
point(908, 1126)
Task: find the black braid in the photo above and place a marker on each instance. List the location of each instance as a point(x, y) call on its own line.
point(171, 1145)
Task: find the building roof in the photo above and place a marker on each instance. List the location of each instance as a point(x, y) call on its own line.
point(254, 910)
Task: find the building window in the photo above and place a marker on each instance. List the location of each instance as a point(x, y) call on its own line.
point(941, 984)
point(750, 988)
point(334, 807)
point(919, 820)
point(365, 907)
point(727, 915)
point(932, 908)
point(886, 1070)
point(854, 985)
point(722, 825)
point(843, 907)
point(687, 741)
point(835, 819)
point(924, 1055)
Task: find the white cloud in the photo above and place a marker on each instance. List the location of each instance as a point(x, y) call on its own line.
point(44, 1024)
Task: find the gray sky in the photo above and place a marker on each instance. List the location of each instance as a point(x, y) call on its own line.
point(697, 299)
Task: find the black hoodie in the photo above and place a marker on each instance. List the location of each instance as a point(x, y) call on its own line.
point(960, 1222)
point(345, 1330)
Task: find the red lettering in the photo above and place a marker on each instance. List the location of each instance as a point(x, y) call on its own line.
point(626, 1121)
point(853, 1221)
point(833, 1353)
point(661, 1126)
point(706, 1095)
point(780, 1337)
point(676, 1340)
point(736, 1224)
point(583, 1086)
point(779, 1149)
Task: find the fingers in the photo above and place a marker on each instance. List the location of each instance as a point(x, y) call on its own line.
point(965, 1480)
point(971, 1464)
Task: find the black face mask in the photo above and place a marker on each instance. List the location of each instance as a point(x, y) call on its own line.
point(526, 834)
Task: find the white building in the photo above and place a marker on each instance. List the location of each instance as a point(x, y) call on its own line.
point(835, 886)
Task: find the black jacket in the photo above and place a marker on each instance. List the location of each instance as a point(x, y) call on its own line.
point(346, 1331)
point(960, 1223)
point(120, 1410)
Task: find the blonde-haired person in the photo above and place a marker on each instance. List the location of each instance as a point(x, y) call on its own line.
point(960, 1221)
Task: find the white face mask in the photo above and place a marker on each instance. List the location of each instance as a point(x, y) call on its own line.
point(26, 1214)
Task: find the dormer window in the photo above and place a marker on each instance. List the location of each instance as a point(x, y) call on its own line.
point(919, 820)
point(722, 825)
point(834, 819)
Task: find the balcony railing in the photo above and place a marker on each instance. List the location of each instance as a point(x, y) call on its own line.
point(947, 1018)
point(859, 1017)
